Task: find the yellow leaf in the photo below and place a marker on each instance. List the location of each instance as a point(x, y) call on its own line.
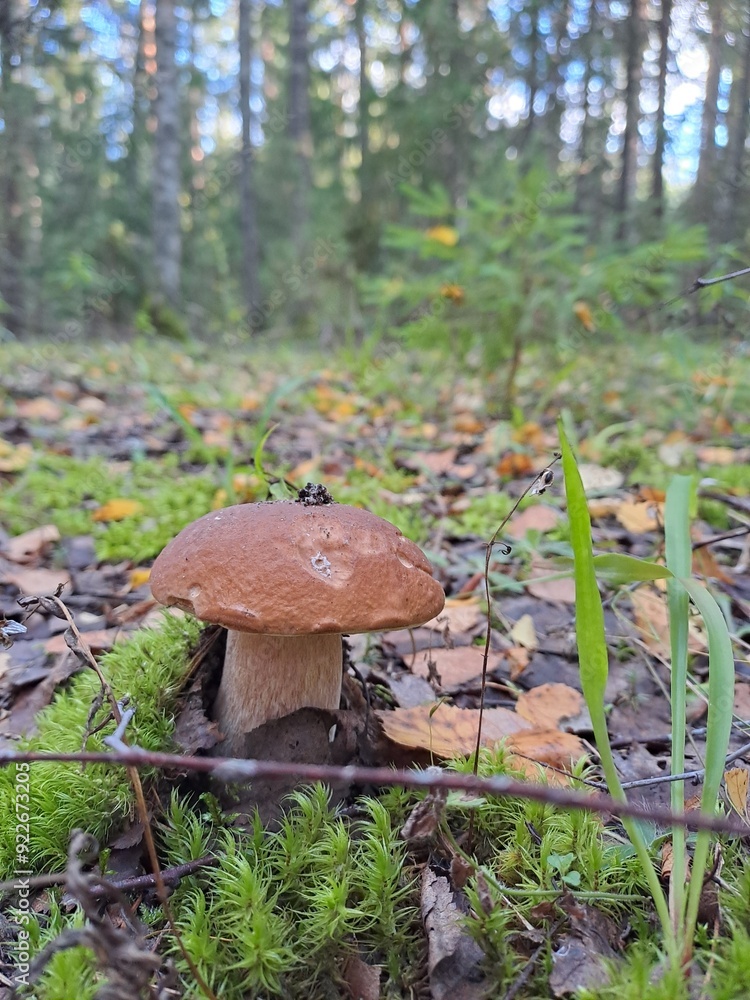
point(13, 459)
point(736, 784)
point(446, 235)
point(454, 293)
point(139, 576)
point(117, 510)
point(583, 314)
point(523, 633)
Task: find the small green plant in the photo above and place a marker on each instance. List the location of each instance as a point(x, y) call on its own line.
point(97, 798)
point(678, 913)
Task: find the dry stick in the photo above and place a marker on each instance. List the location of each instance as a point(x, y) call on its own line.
point(661, 779)
point(169, 876)
point(140, 799)
point(234, 771)
point(539, 485)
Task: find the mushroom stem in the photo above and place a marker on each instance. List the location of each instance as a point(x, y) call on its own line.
point(268, 676)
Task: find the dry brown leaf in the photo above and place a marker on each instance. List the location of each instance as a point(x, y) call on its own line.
point(98, 640)
point(514, 464)
point(518, 658)
point(551, 747)
point(13, 459)
point(524, 634)
point(454, 666)
point(459, 614)
point(539, 517)
point(603, 507)
point(36, 582)
point(561, 591)
point(736, 781)
point(652, 619)
point(549, 705)
point(448, 731)
point(742, 700)
point(361, 980)
point(720, 455)
point(640, 517)
point(39, 408)
point(26, 547)
point(667, 859)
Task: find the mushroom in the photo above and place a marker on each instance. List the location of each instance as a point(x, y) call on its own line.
point(287, 578)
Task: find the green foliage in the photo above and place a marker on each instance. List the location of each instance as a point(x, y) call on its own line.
point(66, 492)
point(149, 669)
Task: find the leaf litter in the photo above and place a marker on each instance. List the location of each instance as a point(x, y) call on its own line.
point(447, 462)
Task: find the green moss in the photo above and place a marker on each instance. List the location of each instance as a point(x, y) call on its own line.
point(149, 669)
point(66, 492)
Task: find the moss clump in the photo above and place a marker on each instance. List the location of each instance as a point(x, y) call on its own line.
point(67, 491)
point(149, 669)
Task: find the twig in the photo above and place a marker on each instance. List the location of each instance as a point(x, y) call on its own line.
point(707, 282)
point(661, 779)
point(235, 771)
point(170, 876)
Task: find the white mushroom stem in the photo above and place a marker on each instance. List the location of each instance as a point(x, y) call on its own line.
point(267, 676)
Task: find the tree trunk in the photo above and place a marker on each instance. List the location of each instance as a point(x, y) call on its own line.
point(13, 233)
point(634, 70)
point(731, 189)
point(657, 184)
point(364, 103)
point(532, 78)
point(703, 191)
point(300, 132)
point(250, 249)
point(167, 233)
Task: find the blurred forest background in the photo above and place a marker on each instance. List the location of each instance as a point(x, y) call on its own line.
point(478, 172)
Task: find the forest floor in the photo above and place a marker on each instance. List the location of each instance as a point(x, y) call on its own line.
point(106, 453)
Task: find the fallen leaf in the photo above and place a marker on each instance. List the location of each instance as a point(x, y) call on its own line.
point(518, 658)
point(561, 590)
point(467, 423)
point(736, 784)
point(14, 459)
point(117, 510)
point(523, 633)
point(584, 955)
point(448, 731)
point(36, 582)
point(39, 408)
point(459, 615)
point(454, 959)
point(26, 547)
point(454, 293)
point(640, 517)
point(539, 517)
point(361, 980)
point(98, 640)
point(582, 312)
point(545, 746)
point(514, 464)
point(720, 455)
point(549, 706)
point(598, 479)
point(454, 666)
point(652, 619)
point(667, 859)
point(139, 576)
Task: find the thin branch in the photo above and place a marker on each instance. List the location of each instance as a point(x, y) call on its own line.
point(707, 282)
point(242, 771)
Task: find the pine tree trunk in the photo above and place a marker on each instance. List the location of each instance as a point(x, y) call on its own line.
point(657, 184)
point(732, 191)
point(167, 233)
point(299, 117)
point(12, 215)
point(634, 72)
point(707, 162)
point(251, 254)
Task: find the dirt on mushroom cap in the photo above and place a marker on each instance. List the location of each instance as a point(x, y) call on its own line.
point(285, 568)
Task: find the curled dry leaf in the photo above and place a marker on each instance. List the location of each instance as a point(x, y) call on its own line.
point(28, 546)
point(448, 731)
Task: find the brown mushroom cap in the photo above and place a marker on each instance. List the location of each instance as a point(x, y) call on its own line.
point(286, 568)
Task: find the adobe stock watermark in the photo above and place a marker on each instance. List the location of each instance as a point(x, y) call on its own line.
point(22, 873)
point(426, 147)
point(293, 280)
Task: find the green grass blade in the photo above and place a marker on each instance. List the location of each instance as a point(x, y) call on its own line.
point(618, 569)
point(679, 561)
point(594, 664)
point(720, 708)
